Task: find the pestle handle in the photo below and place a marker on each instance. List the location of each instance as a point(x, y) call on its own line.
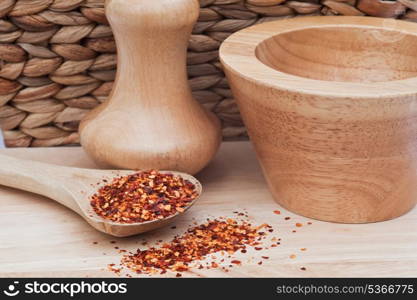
point(152, 49)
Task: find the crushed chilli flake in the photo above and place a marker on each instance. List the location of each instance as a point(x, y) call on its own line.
point(143, 196)
point(178, 255)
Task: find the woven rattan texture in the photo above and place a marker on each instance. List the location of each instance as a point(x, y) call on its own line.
point(58, 59)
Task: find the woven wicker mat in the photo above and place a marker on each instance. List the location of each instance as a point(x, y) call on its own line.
point(58, 59)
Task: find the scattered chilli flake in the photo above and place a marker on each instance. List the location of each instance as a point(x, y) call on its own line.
point(241, 214)
point(277, 212)
point(197, 243)
point(143, 196)
point(217, 240)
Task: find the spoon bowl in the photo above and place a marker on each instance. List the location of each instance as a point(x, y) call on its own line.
point(73, 188)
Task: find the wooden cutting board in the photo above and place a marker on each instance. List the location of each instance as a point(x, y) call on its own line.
point(38, 237)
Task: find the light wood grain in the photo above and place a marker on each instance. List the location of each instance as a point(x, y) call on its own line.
point(330, 104)
point(151, 119)
point(73, 187)
point(42, 238)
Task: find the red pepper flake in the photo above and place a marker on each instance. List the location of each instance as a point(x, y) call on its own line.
point(303, 269)
point(298, 224)
point(95, 243)
point(112, 242)
point(303, 249)
point(293, 256)
point(294, 231)
point(144, 196)
point(277, 212)
point(265, 257)
point(258, 248)
point(243, 251)
point(111, 267)
point(309, 223)
point(178, 275)
point(116, 248)
point(236, 262)
point(195, 244)
point(287, 218)
point(260, 263)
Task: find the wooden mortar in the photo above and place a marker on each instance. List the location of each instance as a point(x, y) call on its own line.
point(330, 105)
point(151, 119)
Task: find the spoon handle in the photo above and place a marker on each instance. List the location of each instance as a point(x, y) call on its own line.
point(36, 177)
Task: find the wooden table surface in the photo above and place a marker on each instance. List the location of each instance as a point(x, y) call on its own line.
point(38, 237)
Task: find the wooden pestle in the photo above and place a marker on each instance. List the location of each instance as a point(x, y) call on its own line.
point(151, 119)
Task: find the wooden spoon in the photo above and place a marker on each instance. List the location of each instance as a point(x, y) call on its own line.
point(72, 187)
